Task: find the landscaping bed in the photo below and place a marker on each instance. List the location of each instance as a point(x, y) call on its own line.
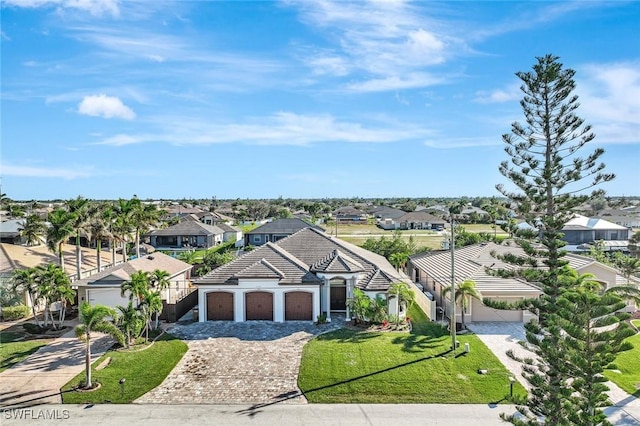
point(363, 366)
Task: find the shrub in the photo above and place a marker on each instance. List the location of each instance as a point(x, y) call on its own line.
point(12, 313)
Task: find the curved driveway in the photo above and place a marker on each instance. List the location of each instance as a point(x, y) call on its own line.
point(227, 362)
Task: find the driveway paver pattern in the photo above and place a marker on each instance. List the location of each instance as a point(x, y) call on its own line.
point(253, 362)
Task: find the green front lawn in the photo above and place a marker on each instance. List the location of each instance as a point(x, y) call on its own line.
point(143, 370)
point(628, 363)
point(13, 349)
point(354, 366)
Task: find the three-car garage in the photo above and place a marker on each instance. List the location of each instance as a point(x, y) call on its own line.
point(260, 305)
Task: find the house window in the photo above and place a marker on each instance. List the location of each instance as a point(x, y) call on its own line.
point(257, 238)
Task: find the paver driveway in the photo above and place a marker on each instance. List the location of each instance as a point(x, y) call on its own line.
point(252, 362)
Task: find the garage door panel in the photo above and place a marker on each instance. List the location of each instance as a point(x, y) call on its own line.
point(298, 306)
point(481, 312)
point(259, 306)
point(107, 296)
point(220, 306)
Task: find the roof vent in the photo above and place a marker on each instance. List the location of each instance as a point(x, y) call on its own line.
point(150, 257)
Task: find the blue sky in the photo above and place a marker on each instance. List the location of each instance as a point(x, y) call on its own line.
point(107, 99)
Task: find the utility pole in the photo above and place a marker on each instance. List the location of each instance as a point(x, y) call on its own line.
point(453, 287)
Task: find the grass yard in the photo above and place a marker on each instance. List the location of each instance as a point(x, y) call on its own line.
point(628, 363)
point(13, 348)
point(143, 370)
point(431, 241)
point(353, 366)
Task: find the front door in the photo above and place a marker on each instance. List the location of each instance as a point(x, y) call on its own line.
point(338, 299)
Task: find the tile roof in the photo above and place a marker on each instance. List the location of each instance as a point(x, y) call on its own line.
point(310, 250)
point(420, 216)
point(293, 271)
point(260, 269)
point(337, 262)
point(227, 228)
point(122, 272)
point(470, 263)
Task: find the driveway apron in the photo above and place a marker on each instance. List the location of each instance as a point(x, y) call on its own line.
point(38, 378)
point(255, 362)
point(503, 336)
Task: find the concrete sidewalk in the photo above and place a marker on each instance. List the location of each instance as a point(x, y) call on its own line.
point(39, 377)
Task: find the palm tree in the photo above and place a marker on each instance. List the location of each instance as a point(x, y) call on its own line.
point(60, 229)
point(26, 280)
point(130, 322)
point(152, 304)
point(143, 217)
point(32, 230)
point(137, 286)
point(98, 228)
point(94, 318)
point(122, 225)
point(79, 209)
point(54, 286)
point(159, 281)
point(464, 291)
point(404, 297)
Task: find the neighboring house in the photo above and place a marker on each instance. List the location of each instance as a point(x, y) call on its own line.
point(103, 288)
point(297, 278)
point(231, 233)
point(415, 220)
point(627, 217)
point(275, 230)
point(10, 231)
point(350, 215)
point(587, 230)
point(187, 234)
point(433, 271)
point(385, 213)
point(213, 218)
point(181, 211)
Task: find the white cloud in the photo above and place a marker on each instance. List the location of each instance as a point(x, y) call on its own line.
point(409, 81)
point(94, 7)
point(106, 107)
point(610, 100)
point(45, 172)
point(283, 128)
point(454, 143)
point(507, 94)
point(384, 40)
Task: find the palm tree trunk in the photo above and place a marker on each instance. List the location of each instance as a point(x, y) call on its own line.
point(98, 251)
point(137, 244)
point(61, 256)
point(87, 363)
point(33, 308)
point(113, 251)
point(124, 251)
point(78, 256)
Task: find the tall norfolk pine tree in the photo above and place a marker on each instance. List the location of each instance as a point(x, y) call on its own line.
point(550, 179)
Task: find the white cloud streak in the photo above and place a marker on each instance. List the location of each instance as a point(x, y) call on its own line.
point(106, 107)
point(94, 7)
point(283, 128)
point(44, 172)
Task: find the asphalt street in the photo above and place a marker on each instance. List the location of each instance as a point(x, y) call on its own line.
point(274, 414)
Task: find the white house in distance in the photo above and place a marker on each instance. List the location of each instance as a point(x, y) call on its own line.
point(296, 278)
point(103, 288)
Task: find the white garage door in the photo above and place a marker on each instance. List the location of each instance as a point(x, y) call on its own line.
point(480, 312)
point(106, 296)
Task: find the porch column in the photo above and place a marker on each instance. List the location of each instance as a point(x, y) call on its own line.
point(179, 241)
point(328, 298)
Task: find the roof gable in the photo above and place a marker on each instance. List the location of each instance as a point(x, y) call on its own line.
point(260, 269)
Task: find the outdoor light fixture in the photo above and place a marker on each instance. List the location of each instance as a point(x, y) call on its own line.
point(512, 380)
point(121, 381)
